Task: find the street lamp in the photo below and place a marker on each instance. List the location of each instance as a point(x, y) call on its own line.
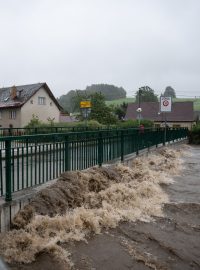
point(139, 110)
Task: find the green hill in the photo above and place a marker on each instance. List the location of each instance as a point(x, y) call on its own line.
point(110, 92)
point(120, 101)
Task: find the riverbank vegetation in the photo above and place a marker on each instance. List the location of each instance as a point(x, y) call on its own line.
point(194, 135)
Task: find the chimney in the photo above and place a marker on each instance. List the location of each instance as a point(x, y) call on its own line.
point(13, 92)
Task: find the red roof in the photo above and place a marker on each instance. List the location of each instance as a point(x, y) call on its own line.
point(181, 111)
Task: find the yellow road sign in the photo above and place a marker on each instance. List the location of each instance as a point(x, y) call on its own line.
point(85, 104)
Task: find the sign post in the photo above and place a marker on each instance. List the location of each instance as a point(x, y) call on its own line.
point(85, 106)
point(166, 107)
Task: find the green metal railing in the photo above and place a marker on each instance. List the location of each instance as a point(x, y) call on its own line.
point(48, 129)
point(40, 158)
point(7, 132)
point(41, 130)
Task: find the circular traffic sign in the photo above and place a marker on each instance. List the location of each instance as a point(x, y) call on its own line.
point(165, 102)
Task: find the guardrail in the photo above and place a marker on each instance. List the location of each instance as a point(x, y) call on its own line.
point(40, 158)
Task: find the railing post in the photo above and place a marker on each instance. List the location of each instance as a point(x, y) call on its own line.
point(137, 145)
point(100, 149)
point(122, 145)
point(10, 131)
point(164, 136)
point(156, 138)
point(67, 167)
point(8, 171)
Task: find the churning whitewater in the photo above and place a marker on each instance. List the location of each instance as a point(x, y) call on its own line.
point(82, 203)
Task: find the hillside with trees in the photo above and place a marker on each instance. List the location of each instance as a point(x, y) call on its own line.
point(110, 92)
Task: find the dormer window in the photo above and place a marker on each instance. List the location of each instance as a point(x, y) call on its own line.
point(19, 93)
point(41, 101)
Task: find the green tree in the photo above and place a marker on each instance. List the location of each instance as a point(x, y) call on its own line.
point(145, 94)
point(69, 102)
point(169, 92)
point(77, 98)
point(100, 111)
point(120, 110)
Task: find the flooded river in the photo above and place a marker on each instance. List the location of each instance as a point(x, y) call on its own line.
point(143, 217)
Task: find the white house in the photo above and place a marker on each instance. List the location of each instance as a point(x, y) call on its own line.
point(18, 104)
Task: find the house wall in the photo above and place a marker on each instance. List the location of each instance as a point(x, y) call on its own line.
point(5, 120)
point(49, 110)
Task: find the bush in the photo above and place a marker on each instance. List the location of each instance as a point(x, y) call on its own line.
point(39, 127)
point(34, 122)
point(91, 124)
point(135, 123)
point(194, 135)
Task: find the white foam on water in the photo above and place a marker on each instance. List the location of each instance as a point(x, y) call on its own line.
point(138, 196)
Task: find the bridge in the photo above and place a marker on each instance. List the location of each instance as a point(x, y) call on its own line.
point(31, 160)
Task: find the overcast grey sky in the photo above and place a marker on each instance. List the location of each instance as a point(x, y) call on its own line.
point(74, 43)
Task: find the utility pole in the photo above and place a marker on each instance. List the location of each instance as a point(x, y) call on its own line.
point(139, 97)
point(165, 132)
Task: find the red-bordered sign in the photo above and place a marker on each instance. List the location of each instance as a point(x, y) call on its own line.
point(165, 104)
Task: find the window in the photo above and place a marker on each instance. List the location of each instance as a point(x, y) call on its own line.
point(0, 115)
point(41, 100)
point(31, 101)
point(13, 114)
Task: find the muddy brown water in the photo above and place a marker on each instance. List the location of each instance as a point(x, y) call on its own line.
point(168, 242)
